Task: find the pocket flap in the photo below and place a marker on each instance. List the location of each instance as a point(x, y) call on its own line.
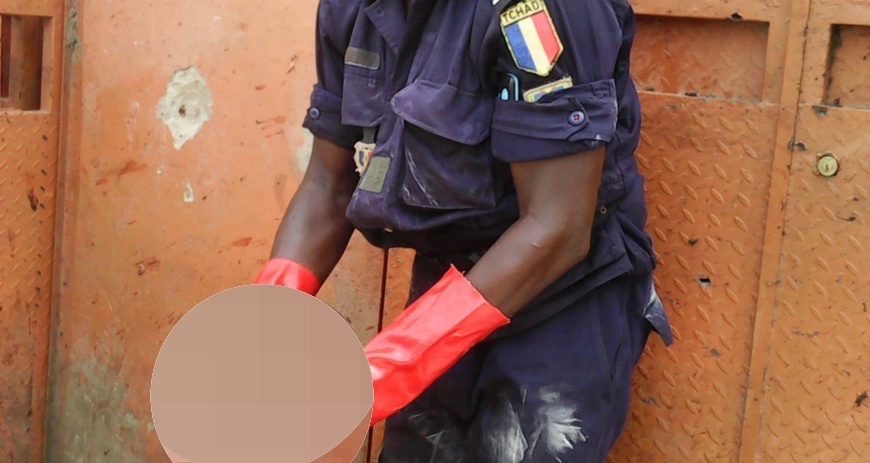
point(583, 112)
point(446, 111)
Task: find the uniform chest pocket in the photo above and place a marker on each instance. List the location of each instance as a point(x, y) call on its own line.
point(448, 162)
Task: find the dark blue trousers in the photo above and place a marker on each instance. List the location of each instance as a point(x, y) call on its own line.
point(556, 392)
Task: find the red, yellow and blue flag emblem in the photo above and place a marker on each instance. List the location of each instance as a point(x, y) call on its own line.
point(531, 36)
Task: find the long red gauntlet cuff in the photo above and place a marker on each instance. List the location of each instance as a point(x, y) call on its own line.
point(283, 272)
point(428, 338)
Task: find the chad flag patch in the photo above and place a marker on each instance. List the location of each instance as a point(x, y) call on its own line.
point(531, 36)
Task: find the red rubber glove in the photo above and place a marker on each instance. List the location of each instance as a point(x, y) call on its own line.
point(283, 272)
point(428, 338)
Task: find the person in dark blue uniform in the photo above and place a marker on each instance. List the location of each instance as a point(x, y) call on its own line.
point(496, 138)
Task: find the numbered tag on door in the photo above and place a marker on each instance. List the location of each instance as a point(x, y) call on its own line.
point(362, 155)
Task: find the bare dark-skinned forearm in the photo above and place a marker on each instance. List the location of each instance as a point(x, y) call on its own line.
point(315, 231)
point(558, 199)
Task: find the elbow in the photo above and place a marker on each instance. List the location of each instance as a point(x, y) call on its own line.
point(567, 242)
point(576, 245)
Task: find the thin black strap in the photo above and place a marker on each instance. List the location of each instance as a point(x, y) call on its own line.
point(370, 134)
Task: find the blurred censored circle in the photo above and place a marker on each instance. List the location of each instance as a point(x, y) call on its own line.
point(262, 374)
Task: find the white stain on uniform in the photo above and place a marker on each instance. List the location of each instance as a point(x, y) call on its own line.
point(505, 441)
point(448, 441)
point(560, 429)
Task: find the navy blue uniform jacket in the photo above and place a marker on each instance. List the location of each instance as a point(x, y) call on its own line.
point(453, 92)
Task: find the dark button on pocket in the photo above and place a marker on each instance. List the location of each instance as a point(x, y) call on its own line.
point(577, 118)
point(585, 112)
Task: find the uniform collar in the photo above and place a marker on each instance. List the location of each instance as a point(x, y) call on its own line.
point(388, 16)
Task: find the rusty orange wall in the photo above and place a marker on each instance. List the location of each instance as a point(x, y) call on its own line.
point(150, 230)
point(763, 260)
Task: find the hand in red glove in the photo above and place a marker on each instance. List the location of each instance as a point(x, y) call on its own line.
point(428, 338)
point(284, 272)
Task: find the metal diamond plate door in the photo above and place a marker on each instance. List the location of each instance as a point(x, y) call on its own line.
point(816, 406)
point(712, 94)
point(30, 57)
